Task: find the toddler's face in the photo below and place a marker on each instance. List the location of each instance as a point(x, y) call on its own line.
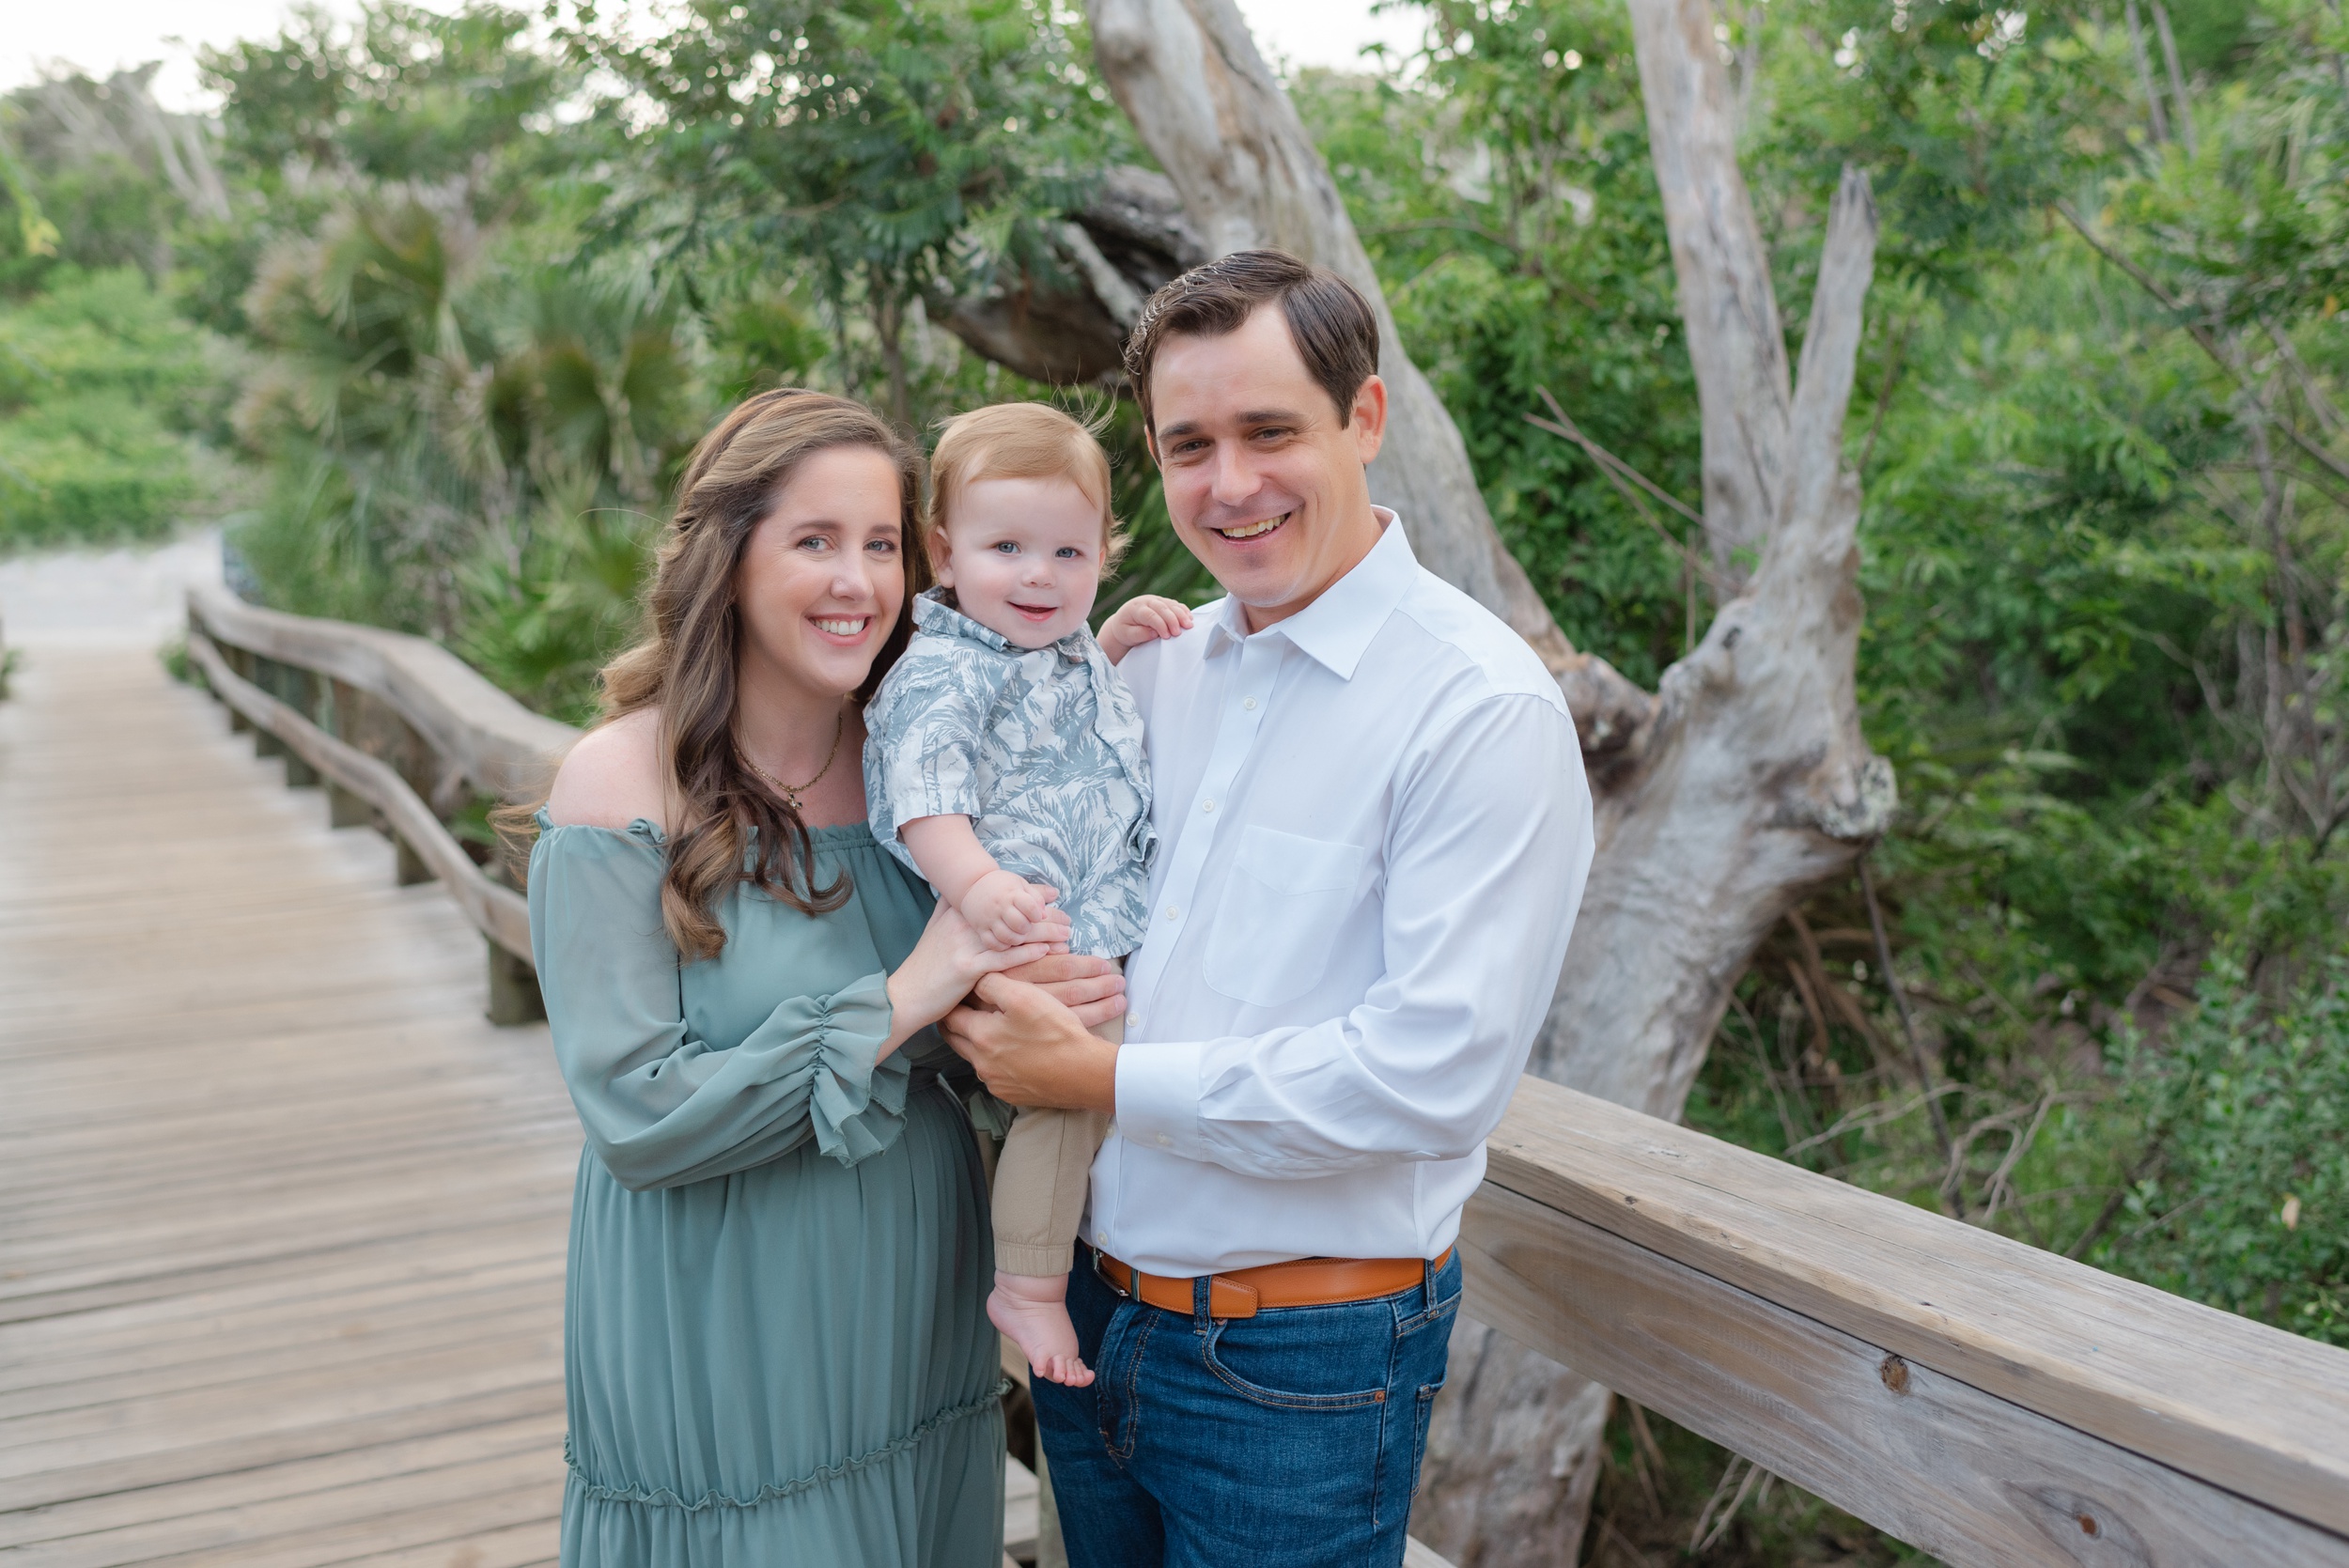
point(1023, 557)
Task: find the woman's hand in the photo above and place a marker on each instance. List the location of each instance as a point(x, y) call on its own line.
point(944, 966)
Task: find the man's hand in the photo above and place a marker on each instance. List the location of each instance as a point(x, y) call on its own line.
point(1143, 618)
point(1093, 988)
point(1031, 1050)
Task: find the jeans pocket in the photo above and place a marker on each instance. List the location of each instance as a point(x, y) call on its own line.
point(1314, 1358)
point(1419, 1432)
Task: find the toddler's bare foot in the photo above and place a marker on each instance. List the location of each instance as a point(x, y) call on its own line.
point(1033, 1311)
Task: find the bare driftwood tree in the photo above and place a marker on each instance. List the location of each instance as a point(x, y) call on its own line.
point(1741, 782)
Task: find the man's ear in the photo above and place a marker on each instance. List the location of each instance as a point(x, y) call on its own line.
point(1367, 419)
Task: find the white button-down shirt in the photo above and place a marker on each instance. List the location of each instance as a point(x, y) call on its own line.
point(1373, 833)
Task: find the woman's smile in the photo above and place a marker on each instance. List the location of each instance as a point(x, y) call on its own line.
point(847, 630)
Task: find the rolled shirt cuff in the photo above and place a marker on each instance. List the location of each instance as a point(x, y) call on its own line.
point(1158, 1096)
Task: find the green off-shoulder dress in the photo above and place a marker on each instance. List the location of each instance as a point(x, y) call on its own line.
point(777, 1343)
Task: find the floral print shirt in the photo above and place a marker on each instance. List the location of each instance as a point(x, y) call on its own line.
point(1040, 748)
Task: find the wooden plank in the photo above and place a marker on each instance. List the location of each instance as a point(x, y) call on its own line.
point(316, 1343)
point(1021, 1509)
point(2243, 1405)
point(205, 1461)
point(30, 1444)
point(527, 1545)
point(282, 1221)
point(160, 1510)
point(374, 1511)
point(189, 1338)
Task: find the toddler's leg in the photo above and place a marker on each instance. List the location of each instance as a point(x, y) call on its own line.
point(1039, 1198)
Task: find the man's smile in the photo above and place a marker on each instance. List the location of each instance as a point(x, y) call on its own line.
point(1256, 530)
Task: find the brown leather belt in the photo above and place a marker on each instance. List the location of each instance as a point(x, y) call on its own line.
point(1243, 1292)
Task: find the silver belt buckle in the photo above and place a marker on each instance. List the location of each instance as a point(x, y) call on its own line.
point(1102, 1274)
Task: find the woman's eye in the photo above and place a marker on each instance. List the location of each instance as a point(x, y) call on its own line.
point(815, 542)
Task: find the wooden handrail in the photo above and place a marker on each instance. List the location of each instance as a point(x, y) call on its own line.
point(475, 730)
point(1986, 1400)
point(1991, 1403)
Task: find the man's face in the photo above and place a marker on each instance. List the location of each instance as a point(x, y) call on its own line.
point(1262, 482)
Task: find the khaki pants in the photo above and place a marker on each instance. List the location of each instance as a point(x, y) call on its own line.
point(1041, 1182)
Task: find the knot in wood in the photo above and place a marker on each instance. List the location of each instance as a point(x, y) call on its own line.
point(1895, 1374)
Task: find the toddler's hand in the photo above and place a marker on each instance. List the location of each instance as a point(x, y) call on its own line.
point(1144, 619)
point(1009, 912)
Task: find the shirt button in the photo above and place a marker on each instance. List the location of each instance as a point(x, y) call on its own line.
point(1250, 704)
point(1133, 1020)
point(1206, 805)
point(1164, 1141)
point(1173, 913)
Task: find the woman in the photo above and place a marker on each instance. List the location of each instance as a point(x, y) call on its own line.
point(775, 1343)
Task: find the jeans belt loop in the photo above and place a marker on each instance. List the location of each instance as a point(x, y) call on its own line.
point(1202, 1299)
point(1427, 1289)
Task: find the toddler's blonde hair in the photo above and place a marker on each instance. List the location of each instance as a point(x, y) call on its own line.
point(1020, 441)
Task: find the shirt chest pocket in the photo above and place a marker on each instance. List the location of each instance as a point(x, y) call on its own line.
point(1279, 917)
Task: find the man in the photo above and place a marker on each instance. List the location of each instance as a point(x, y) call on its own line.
point(1373, 833)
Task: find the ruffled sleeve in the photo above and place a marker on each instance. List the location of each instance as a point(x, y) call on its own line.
point(662, 1108)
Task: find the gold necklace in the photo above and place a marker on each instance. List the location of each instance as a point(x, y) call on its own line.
point(791, 793)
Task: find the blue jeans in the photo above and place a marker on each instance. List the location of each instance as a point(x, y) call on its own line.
point(1289, 1438)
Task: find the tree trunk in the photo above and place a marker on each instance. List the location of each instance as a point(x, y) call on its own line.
point(1742, 783)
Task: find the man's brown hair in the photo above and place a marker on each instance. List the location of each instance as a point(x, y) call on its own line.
point(1333, 327)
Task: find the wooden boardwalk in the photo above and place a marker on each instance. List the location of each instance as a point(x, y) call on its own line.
point(282, 1217)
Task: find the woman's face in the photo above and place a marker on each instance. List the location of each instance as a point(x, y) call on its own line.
point(823, 576)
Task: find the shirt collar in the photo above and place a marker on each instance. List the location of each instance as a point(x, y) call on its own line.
point(933, 614)
point(1335, 629)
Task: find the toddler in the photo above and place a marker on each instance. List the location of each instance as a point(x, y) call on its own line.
point(1003, 762)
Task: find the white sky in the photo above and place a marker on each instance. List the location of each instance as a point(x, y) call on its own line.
point(99, 35)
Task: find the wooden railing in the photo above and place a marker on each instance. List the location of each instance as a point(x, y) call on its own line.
point(402, 733)
point(1990, 1403)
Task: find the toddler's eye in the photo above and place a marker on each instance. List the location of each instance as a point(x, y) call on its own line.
point(1007, 547)
point(1070, 552)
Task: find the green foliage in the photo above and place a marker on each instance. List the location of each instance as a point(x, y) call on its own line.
point(2244, 1201)
point(889, 147)
point(1511, 210)
point(102, 390)
point(405, 94)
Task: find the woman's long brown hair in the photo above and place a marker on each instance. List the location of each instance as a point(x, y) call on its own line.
point(731, 827)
